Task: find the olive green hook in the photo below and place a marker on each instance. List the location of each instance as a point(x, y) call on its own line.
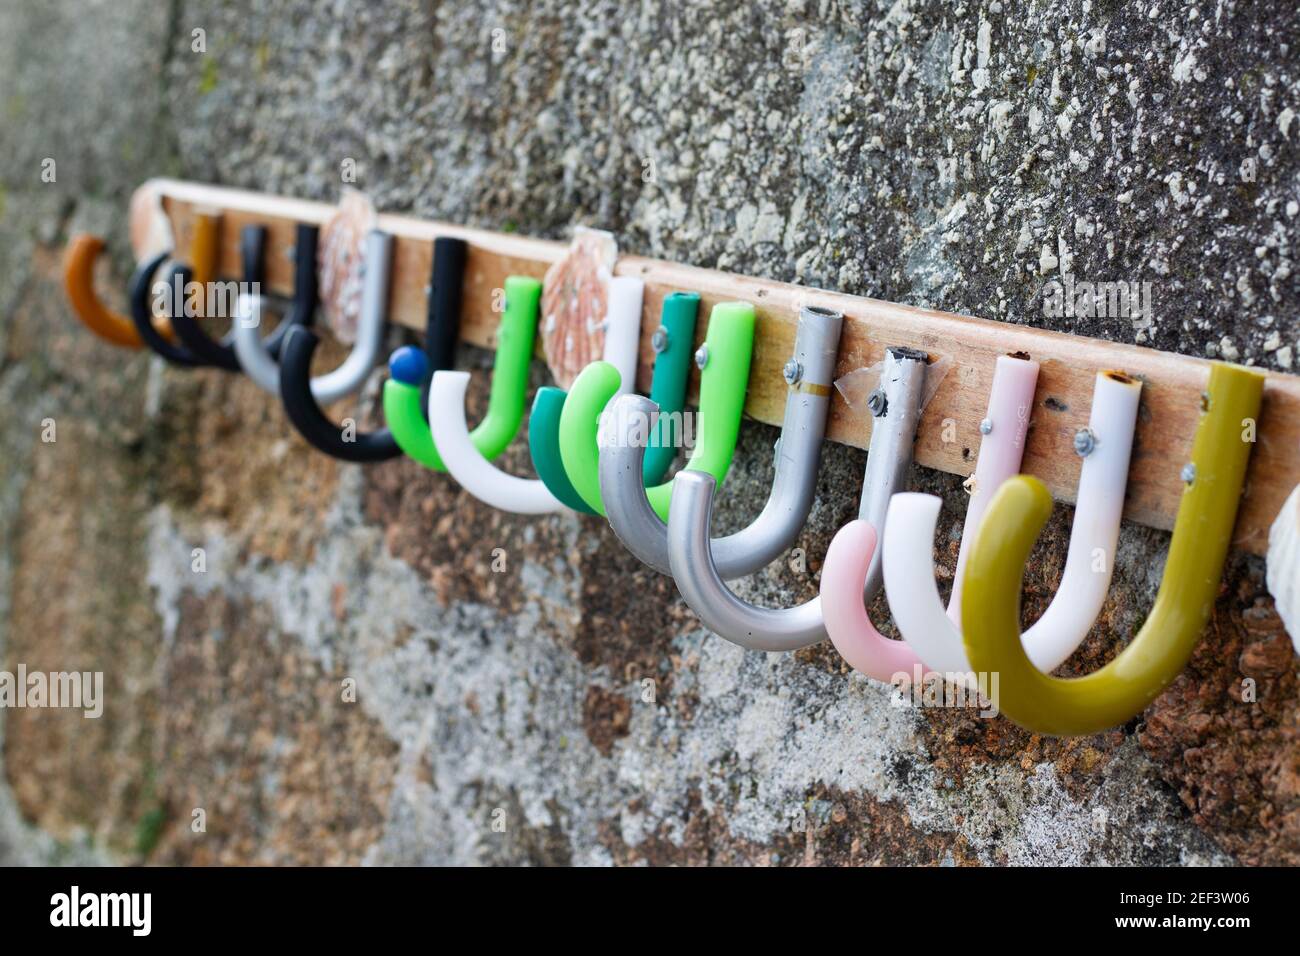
point(1213, 482)
point(505, 412)
point(599, 382)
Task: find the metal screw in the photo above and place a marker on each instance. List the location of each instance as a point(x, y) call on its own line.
point(877, 404)
point(659, 341)
point(986, 426)
point(792, 371)
point(702, 357)
point(1189, 473)
point(1085, 440)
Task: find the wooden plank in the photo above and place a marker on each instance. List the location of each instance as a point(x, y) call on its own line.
point(1170, 396)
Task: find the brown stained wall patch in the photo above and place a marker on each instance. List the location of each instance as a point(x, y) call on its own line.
point(224, 450)
point(507, 838)
point(78, 603)
point(258, 736)
point(606, 716)
point(1236, 763)
point(465, 549)
point(829, 828)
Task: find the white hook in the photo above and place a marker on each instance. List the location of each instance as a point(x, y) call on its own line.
point(623, 329)
point(854, 550)
point(466, 463)
point(909, 574)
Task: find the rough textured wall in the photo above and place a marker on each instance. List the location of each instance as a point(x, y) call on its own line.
point(952, 155)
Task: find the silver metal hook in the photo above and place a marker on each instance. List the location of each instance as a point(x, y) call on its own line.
point(263, 369)
point(902, 382)
point(795, 480)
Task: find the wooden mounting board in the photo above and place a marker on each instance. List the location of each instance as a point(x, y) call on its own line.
point(1069, 363)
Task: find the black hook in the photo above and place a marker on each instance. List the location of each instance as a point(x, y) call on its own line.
point(140, 295)
point(197, 348)
point(441, 332)
point(306, 295)
point(204, 348)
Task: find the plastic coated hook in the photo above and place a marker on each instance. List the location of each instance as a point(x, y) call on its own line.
point(673, 343)
point(1202, 534)
point(410, 367)
point(406, 393)
point(895, 413)
point(406, 414)
point(599, 383)
point(854, 564)
point(79, 282)
point(909, 574)
point(451, 435)
point(616, 374)
point(252, 246)
point(302, 310)
point(544, 447)
point(263, 369)
point(203, 256)
point(205, 247)
point(1005, 427)
point(141, 299)
point(295, 370)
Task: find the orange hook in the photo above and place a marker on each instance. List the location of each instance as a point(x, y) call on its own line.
point(78, 278)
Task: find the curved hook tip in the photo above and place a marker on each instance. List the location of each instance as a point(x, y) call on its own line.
point(299, 332)
point(857, 542)
point(409, 365)
point(698, 483)
point(455, 387)
point(1031, 497)
point(626, 410)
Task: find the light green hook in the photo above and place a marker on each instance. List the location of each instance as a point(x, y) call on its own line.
point(1202, 534)
point(505, 412)
point(562, 428)
point(723, 361)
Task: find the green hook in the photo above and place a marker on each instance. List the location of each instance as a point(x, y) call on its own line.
point(562, 428)
point(544, 446)
point(505, 413)
point(990, 609)
point(592, 390)
point(723, 361)
point(673, 343)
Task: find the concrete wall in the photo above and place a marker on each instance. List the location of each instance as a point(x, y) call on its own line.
point(955, 156)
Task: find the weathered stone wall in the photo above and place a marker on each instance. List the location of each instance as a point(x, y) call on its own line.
point(951, 155)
